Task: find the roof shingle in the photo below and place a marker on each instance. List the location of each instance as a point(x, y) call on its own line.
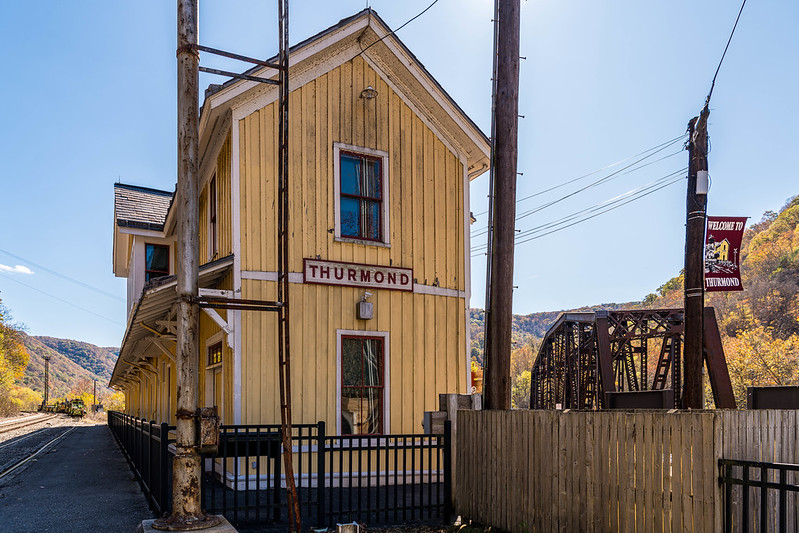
point(141, 207)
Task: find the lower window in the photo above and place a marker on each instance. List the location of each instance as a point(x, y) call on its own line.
point(362, 385)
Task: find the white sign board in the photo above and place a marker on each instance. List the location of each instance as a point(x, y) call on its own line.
point(357, 275)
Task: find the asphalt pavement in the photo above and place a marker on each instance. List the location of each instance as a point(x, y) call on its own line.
point(82, 484)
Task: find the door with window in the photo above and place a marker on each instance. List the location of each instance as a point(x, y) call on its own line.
point(362, 387)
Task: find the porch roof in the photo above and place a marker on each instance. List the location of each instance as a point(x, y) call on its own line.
point(149, 323)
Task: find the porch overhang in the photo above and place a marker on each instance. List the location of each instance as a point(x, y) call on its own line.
point(148, 334)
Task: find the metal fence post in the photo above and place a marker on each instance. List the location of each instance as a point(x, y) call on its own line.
point(447, 470)
point(321, 519)
point(162, 475)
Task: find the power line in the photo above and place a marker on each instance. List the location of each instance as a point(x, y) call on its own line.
point(665, 144)
point(63, 276)
point(606, 203)
point(392, 32)
point(62, 300)
point(713, 83)
point(636, 194)
point(621, 172)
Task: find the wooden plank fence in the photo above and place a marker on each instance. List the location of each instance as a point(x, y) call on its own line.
point(642, 471)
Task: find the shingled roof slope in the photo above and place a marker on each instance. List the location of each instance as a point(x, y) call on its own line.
point(141, 207)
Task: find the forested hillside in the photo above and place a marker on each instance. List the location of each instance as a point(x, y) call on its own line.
point(70, 362)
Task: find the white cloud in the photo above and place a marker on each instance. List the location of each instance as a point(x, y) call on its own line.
point(19, 269)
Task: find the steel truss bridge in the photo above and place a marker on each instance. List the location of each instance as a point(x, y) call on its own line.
point(584, 356)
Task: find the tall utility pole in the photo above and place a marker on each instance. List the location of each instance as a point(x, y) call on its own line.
point(499, 319)
point(46, 380)
point(186, 510)
point(695, 215)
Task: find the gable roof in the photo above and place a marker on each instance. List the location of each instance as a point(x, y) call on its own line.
point(141, 207)
point(364, 34)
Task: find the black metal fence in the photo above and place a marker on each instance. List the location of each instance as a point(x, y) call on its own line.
point(145, 445)
point(774, 506)
point(376, 479)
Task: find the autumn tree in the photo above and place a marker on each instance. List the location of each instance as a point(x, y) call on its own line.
point(13, 361)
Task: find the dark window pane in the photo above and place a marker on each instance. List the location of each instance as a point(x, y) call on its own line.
point(372, 359)
point(372, 219)
point(350, 217)
point(372, 180)
point(156, 261)
point(350, 174)
point(351, 362)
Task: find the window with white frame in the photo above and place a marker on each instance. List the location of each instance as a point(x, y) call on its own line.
point(156, 261)
point(362, 386)
point(361, 194)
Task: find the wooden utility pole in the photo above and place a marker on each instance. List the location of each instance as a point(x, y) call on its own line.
point(186, 509)
point(46, 381)
point(695, 215)
point(499, 319)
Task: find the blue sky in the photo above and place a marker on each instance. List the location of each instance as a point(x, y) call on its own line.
point(89, 98)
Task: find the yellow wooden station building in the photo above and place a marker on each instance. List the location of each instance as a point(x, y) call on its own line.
point(379, 167)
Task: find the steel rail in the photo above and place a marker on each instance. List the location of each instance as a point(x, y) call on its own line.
point(11, 426)
point(25, 460)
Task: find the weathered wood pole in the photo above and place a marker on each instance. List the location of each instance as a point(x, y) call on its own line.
point(695, 213)
point(505, 151)
point(187, 513)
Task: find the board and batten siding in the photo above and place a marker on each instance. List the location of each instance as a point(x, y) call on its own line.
point(425, 180)
point(224, 208)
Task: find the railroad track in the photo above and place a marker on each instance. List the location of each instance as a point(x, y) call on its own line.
point(5, 427)
point(17, 464)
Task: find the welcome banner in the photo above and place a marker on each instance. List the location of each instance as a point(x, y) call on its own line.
point(722, 253)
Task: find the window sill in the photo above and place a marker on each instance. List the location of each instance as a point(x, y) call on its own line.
point(364, 242)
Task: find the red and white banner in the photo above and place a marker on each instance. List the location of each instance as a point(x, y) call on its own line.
point(723, 253)
point(357, 275)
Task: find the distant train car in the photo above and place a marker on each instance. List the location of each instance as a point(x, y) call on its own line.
point(76, 407)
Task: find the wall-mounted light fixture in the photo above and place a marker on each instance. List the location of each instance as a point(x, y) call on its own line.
point(369, 93)
point(364, 307)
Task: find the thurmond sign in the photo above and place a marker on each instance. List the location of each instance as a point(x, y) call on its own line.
point(357, 275)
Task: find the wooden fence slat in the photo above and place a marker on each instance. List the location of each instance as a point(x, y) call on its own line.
point(675, 447)
point(687, 471)
point(647, 469)
point(625, 474)
point(590, 472)
point(613, 478)
point(708, 476)
point(640, 478)
point(658, 504)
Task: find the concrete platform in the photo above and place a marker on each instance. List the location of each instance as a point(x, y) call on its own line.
point(81, 485)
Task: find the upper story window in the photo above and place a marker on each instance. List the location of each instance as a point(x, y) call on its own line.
point(361, 194)
point(156, 261)
point(212, 227)
point(361, 385)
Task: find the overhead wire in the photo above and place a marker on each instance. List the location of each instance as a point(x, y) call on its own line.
point(611, 201)
point(603, 207)
point(392, 32)
point(62, 276)
point(713, 83)
point(621, 172)
point(619, 162)
point(62, 300)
